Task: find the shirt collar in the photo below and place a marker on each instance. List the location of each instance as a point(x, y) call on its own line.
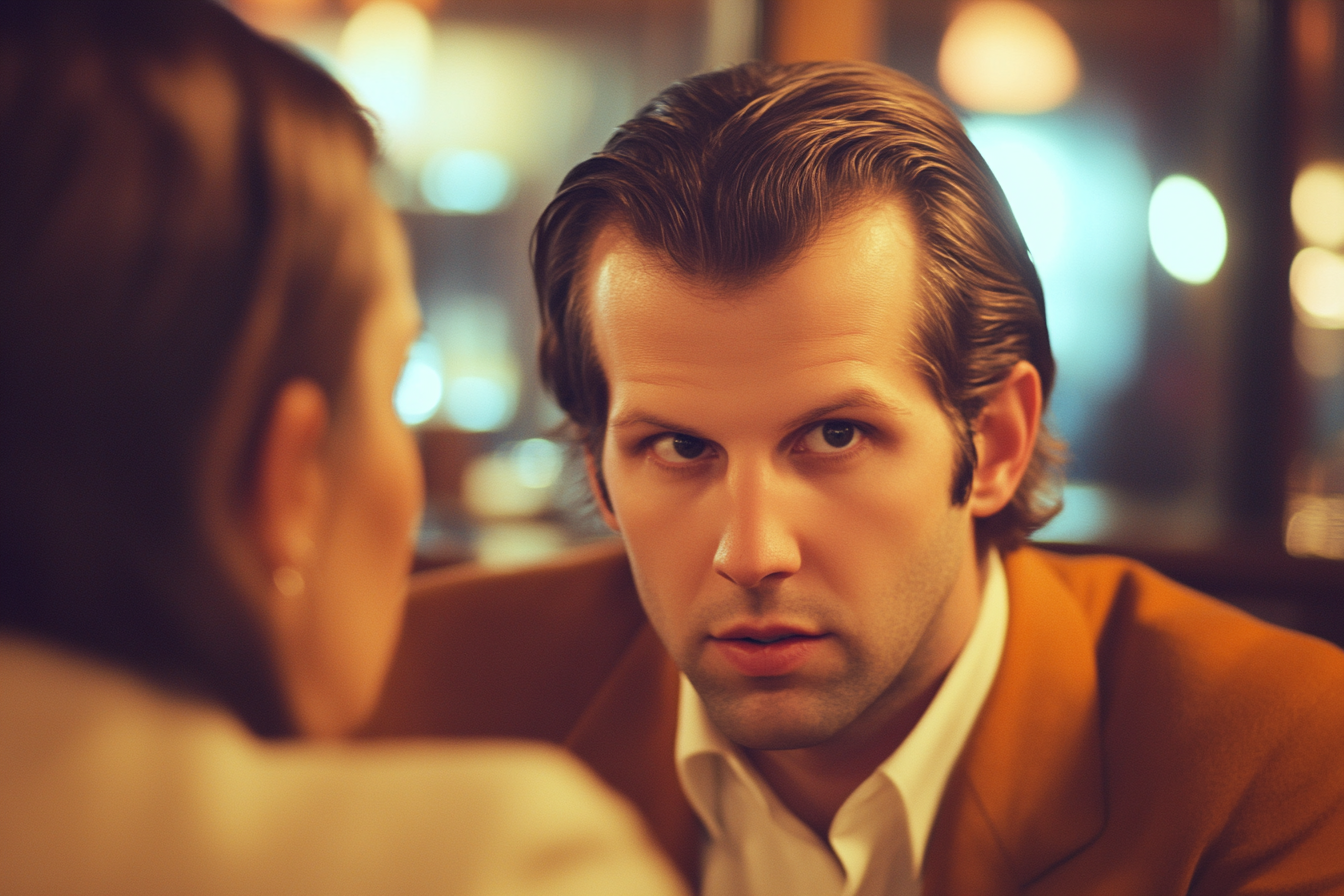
point(920, 766)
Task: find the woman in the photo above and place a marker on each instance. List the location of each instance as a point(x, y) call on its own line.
point(206, 498)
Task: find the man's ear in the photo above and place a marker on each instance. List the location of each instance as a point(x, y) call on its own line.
point(1005, 439)
point(291, 484)
point(598, 486)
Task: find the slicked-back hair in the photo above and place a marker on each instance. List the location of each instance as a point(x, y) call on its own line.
point(183, 229)
point(730, 175)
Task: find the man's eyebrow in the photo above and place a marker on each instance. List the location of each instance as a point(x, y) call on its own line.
point(855, 398)
point(637, 417)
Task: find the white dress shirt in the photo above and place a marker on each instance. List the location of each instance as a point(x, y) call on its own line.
point(756, 847)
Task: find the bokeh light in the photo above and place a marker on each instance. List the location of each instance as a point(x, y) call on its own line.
point(1319, 351)
point(1187, 229)
point(478, 403)
point(1318, 204)
point(515, 481)
point(481, 377)
point(1086, 515)
point(1316, 527)
point(538, 462)
point(261, 9)
point(1031, 169)
point(1078, 187)
point(384, 54)
point(1316, 281)
point(1007, 56)
point(421, 386)
point(467, 182)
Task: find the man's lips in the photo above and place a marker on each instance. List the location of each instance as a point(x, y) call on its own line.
point(765, 651)
point(755, 631)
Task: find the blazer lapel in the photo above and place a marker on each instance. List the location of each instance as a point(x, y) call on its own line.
point(627, 735)
point(1028, 790)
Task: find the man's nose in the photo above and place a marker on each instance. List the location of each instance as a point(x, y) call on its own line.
point(758, 543)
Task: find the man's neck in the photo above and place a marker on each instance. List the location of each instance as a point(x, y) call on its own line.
point(814, 782)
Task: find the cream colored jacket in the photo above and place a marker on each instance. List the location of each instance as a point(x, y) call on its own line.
point(109, 786)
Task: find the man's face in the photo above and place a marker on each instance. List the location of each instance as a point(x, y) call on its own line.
point(782, 477)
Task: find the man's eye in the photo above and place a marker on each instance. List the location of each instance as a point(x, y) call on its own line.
point(830, 437)
point(675, 448)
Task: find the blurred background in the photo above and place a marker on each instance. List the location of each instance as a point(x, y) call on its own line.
point(1177, 170)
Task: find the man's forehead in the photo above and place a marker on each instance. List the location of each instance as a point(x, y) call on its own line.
point(616, 244)
point(845, 309)
point(858, 225)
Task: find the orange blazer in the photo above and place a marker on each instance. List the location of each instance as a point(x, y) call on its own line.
point(1139, 738)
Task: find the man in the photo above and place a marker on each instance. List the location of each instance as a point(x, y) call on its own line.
point(804, 349)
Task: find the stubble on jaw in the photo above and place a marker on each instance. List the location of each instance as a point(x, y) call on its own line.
point(797, 711)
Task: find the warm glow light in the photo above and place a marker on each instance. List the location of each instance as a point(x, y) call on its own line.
point(254, 9)
point(513, 543)
point(1316, 527)
point(514, 481)
point(1320, 352)
point(1318, 204)
point(1187, 229)
point(1007, 56)
point(384, 55)
point(538, 462)
point(1312, 28)
point(1316, 280)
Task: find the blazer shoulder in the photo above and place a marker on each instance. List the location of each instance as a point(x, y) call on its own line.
point(1203, 651)
point(510, 653)
point(1206, 715)
point(589, 570)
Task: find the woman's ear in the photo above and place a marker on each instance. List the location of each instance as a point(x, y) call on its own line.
point(291, 483)
point(1005, 439)
point(597, 484)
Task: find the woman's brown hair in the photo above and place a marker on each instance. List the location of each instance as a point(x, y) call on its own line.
point(179, 236)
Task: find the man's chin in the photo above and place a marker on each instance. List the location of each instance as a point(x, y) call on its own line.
point(771, 722)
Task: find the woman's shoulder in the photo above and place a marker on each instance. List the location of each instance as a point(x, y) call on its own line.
point(113, 786)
